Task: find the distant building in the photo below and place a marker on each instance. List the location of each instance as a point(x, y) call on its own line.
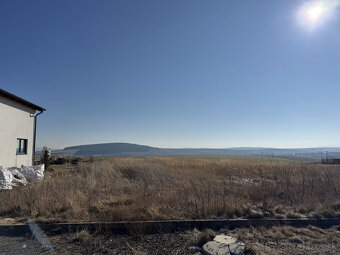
point(17, 130)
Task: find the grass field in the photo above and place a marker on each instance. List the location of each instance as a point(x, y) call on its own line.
point(113, 189)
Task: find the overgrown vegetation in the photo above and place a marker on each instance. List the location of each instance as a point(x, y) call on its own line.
point(116, 189)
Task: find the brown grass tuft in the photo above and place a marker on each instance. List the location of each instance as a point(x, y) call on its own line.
point(206, 236)
point(83, 236)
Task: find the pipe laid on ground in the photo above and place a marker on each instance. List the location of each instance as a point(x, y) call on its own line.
point(152, 227)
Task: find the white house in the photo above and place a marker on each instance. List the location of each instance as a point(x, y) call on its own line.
point(18, 119)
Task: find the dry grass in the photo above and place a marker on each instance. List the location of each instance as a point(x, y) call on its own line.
point(289, 240)
point(84, 236)
point(176, 188)
point(134, 251)
point(203, 237)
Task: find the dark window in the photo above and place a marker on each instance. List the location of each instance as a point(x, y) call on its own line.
point(21, 146)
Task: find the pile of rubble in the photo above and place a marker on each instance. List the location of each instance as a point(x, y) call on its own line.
point(10, 177)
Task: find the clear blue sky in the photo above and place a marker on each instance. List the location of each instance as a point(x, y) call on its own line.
point(175, 73)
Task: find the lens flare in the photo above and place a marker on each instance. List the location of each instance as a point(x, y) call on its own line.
point(314, 14)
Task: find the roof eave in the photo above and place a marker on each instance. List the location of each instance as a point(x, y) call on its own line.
point(21, 100)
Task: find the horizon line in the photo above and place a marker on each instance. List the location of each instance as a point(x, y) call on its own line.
point(232, 147)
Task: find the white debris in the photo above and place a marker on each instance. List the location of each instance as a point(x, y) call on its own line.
point(224, 245)
point(6, 178)
point(18, 179)
point(10, 177)
point(33, 172)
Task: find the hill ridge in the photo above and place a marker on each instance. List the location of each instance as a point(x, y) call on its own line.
point(121, 149)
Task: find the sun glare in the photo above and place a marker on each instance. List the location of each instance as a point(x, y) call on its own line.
point(314, 14)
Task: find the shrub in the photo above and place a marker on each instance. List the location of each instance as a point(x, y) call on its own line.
point(46, 156)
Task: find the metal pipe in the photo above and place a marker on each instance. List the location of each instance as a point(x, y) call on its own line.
point(35, 135)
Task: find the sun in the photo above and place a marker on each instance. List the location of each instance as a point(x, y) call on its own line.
point(316, 12)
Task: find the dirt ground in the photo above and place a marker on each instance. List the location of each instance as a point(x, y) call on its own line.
point(267, 241)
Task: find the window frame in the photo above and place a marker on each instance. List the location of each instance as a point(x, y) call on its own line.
point(23, 145)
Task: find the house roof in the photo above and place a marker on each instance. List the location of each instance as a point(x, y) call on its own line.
point(20, 100)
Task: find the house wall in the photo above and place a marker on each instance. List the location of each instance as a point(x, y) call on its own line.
point(16, 121)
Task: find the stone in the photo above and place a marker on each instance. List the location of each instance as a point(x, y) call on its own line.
point(224, 245)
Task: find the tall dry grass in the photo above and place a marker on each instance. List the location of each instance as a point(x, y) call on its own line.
point(178, 188)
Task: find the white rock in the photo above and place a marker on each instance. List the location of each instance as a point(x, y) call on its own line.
point(224, 245)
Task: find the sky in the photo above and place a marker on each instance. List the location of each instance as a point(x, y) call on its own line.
point(174, 73)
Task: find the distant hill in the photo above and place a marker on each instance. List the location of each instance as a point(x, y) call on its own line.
point(107, 149)
point(136, 150)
